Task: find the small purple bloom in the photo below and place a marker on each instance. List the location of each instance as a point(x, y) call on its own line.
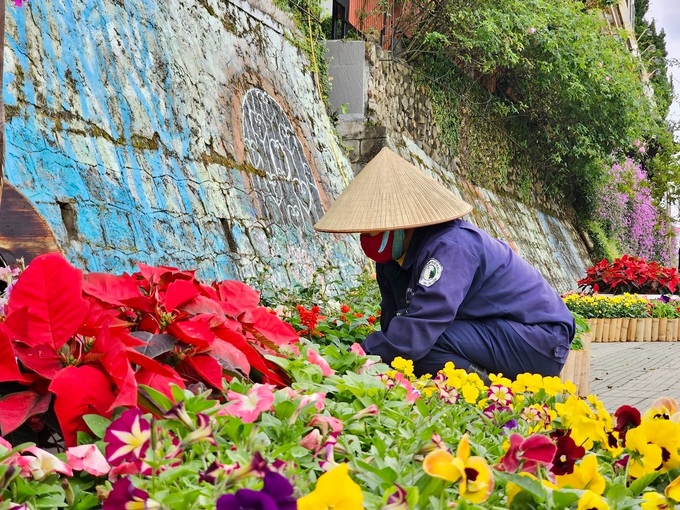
point(276, 494)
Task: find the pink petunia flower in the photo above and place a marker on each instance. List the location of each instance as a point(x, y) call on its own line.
point(315, 358)
point(17, 3)
point(371, 410)
point(87, 458)
point(312, 441)
point(357, 349)
point(40, 464)
point(325, 423)
point(260, 398)
point(127, 438)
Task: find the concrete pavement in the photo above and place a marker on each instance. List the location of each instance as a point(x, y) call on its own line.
point(634, 373)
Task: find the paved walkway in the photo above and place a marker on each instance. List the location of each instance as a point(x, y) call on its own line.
point(634, 373)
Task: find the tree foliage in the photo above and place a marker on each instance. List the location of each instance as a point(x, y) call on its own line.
point(562, 79)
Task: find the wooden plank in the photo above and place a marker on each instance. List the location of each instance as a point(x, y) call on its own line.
point(23, 232)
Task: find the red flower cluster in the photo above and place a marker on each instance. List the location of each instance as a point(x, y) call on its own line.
point(310, 319)
point(631, 274)
point(89, 340)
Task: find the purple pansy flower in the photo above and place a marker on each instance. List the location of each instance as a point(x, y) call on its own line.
point(276, 494)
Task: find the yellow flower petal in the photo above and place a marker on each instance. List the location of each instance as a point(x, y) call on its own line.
point(673, 490)
point(591, 501)
point(440, 464)
point(479, 480)
point(334, 490)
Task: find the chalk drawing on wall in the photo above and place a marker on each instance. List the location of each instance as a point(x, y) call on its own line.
point(286, 189)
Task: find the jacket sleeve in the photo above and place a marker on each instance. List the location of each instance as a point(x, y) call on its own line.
point(413, 332)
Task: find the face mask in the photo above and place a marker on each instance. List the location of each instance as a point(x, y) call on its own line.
point(383, 247)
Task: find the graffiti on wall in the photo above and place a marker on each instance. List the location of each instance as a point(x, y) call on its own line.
point(287, 191)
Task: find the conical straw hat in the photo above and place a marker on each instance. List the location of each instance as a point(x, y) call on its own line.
point(389, 194)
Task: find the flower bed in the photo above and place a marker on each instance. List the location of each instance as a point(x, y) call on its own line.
point(330, 428)
point(628, 317)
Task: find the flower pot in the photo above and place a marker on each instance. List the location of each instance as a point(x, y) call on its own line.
point(641, 329)
point(614, 330)
point(654, 334)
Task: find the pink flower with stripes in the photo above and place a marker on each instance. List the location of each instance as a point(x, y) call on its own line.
point(260, 398)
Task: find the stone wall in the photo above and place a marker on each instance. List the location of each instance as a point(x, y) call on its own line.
point(179, 132)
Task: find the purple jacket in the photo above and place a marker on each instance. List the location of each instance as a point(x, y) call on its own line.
point(455, 271)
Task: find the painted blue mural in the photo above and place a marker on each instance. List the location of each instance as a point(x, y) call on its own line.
point(122, 111)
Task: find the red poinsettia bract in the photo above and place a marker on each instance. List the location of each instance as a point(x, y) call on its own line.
point(88, 340)
point(631, 274)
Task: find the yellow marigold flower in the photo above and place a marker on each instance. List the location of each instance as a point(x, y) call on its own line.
point(591, 501)
point(335, 490)
point(405, 366)
point(585, 476)
point(673, 489)
point(655, 501)
point(473, 474)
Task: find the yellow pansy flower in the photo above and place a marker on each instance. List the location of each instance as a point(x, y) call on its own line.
point(673, 490)
point(585, 476)
point(655, 501)
point(592, 501)
point(645, 456)
point(473, 474)
point(335, 490)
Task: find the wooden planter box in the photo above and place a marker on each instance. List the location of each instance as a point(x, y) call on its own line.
point(577, 367)
point(634, 330)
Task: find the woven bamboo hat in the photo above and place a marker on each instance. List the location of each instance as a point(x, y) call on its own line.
point(389, 194)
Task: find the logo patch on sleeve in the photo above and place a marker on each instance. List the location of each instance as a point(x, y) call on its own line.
point(431, 272)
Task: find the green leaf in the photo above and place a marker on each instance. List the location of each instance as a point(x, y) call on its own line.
point(153, 400)
point(643, 482)
point(97, 424)
point(177, 393)
point(532, 486)
point(564, 498)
